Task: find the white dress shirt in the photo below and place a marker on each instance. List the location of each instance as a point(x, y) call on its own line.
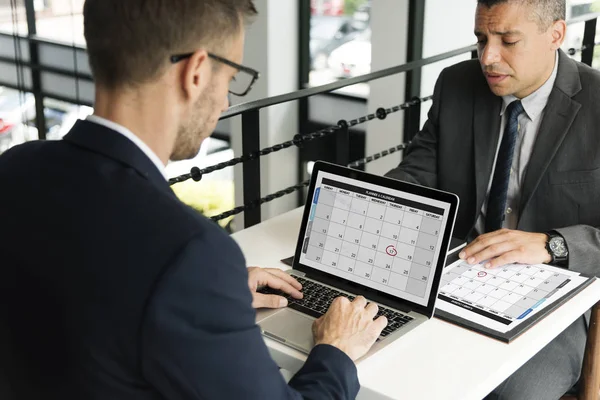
point(529, 125)
point(131, 136)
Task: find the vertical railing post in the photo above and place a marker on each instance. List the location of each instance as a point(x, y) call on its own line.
point(416, 35)
point(589, 38)
point(304, 78)
point(342, 144)
point(413, 120)
point(36, 75)
point(251, 169)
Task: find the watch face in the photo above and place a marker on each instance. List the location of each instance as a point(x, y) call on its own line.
point(557, 245)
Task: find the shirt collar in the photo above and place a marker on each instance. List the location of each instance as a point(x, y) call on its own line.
point(131, 136)
point(535, 103)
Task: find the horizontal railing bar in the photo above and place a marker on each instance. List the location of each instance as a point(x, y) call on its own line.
point(46, 68)
point(41, 40)
point(284, 98)
point(299, 139)
point(57, 43)
point(66, 99)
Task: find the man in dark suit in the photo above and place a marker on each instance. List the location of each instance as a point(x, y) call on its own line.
point(110, 287)
point(520, 145)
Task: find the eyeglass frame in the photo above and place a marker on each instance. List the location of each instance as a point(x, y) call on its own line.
point(254, 73)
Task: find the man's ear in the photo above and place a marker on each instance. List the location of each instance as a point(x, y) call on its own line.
point(558, 30)
point(195, 74)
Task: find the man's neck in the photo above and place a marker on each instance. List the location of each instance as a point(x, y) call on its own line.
point(145, 114)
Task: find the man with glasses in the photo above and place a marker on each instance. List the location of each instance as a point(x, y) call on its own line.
point(240, 84)
point(111, 288)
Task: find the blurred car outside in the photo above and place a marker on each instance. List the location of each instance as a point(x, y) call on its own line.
point(327, 7)
point(352, 58)
point(328, 34)
point(17, 117)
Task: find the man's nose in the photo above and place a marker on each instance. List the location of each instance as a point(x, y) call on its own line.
point(489, 55)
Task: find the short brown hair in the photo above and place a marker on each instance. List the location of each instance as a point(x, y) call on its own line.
point(129, 42)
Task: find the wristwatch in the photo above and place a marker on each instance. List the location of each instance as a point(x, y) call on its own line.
point(557, 248)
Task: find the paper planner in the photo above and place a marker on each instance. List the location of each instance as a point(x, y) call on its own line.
point(503, 298)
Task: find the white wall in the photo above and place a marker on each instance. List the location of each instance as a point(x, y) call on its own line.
point(389, 24)
point(449, 25)
point(272, 48)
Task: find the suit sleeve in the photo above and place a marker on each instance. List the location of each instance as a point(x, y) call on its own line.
point(583, 243)
point(420, 162)
point(200, 339)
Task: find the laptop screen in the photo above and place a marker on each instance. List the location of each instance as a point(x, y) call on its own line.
point(376, 236)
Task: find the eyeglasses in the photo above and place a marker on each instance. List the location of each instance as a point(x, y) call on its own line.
point(241, 83)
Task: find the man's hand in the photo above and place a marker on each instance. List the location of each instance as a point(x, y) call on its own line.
point(275, 279)
point(349, 326)
point(507, 247)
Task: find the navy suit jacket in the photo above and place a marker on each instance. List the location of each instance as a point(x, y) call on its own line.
point(111, 288)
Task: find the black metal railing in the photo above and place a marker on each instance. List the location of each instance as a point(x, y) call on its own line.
point(251, 125)
point(251, 146)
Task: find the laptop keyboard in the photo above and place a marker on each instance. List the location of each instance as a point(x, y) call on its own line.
point(317, 299)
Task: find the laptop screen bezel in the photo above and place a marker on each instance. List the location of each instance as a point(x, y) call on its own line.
point(359, 289)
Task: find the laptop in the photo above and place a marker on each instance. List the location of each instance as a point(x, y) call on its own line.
point(363, 234)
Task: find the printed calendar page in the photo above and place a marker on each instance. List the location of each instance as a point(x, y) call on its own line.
point(502, 298)
point(379, 237)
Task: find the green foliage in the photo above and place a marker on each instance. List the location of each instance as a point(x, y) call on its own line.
point(596, 6)
point(350, 6)
point(210, 197)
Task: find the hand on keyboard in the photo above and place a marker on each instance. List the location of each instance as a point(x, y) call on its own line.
point(279, 284)
point(318, 298)
point(349, 326)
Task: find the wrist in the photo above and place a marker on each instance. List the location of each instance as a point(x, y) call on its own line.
point(548, 256)
point(338, 344)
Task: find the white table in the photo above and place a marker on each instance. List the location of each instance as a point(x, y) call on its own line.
point(437, 360)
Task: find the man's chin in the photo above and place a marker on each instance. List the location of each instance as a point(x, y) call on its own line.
point(500, 91)
point(187, 154)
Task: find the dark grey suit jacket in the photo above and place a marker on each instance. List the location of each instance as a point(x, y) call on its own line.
point(561, 190)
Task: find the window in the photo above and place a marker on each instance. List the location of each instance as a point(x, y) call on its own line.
point(18, 117)
point(60, 20)
point(16, 109)
point(61, 116)
point(13, 19)
point(340, 42)
point(574, 37)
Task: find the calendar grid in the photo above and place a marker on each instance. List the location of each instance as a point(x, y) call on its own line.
point(510, 293)
point(389, 243)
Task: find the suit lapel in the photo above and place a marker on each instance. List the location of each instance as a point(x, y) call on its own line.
point(559, 114)
point(486, 128)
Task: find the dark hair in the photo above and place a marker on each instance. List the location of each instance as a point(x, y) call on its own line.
point(546, 11)
point(130, 41)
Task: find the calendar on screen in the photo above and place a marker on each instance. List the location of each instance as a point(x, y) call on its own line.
point(380, 237)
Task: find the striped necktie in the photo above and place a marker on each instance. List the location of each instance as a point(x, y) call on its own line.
point(496, 209)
